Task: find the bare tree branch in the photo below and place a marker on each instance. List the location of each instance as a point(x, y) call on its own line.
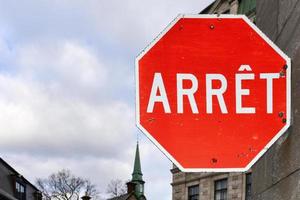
point(116, 188)
point(63, 185)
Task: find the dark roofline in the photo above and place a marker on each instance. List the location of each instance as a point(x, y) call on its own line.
point(17, 173)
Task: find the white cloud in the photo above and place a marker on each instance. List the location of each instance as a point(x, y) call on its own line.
point(43, 107)
point(64, 65)
point(128, 24)
point(35, 121)
point(45, 126)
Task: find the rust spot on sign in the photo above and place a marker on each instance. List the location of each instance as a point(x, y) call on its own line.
point(280, 114)
point(151, 120)
point(214, 160)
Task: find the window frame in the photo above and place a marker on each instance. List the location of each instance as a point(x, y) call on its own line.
point(222, 189)
point(190, 195)
point(20, 190)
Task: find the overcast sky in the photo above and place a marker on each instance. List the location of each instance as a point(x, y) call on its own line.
point(67, 87)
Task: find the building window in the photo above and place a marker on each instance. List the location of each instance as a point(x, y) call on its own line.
point(221, 189)
point(248, 186)
point(193, 192)
point(20, 191)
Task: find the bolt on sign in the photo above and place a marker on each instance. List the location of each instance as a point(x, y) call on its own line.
point(213, 92)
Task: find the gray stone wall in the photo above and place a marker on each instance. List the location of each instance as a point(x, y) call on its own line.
point(181, 181)
point(276, 176)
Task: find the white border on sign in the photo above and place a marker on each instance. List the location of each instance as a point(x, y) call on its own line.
point(288, 94)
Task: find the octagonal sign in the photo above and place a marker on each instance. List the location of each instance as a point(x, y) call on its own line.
point(213, 93)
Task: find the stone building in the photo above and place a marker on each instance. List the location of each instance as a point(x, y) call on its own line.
point(216, 186)
point(135, 187)
point(210, 186)
point(13, 186)
point(276, 176)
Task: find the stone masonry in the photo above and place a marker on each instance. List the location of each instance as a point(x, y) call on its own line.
point(182, 181)
point(276, 176)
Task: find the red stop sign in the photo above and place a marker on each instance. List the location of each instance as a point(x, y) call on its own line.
point(213, 93)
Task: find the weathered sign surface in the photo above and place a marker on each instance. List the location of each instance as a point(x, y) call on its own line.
point(213, 92)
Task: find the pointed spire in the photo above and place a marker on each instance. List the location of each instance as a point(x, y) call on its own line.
point(137, 170)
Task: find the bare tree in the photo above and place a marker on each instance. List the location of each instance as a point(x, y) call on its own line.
point(116, 187)
point(63, 185)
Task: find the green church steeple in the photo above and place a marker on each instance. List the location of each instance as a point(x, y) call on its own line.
point(137, 170)
point(137, 175)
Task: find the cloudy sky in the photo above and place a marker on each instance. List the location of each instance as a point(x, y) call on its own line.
point(67, 87)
